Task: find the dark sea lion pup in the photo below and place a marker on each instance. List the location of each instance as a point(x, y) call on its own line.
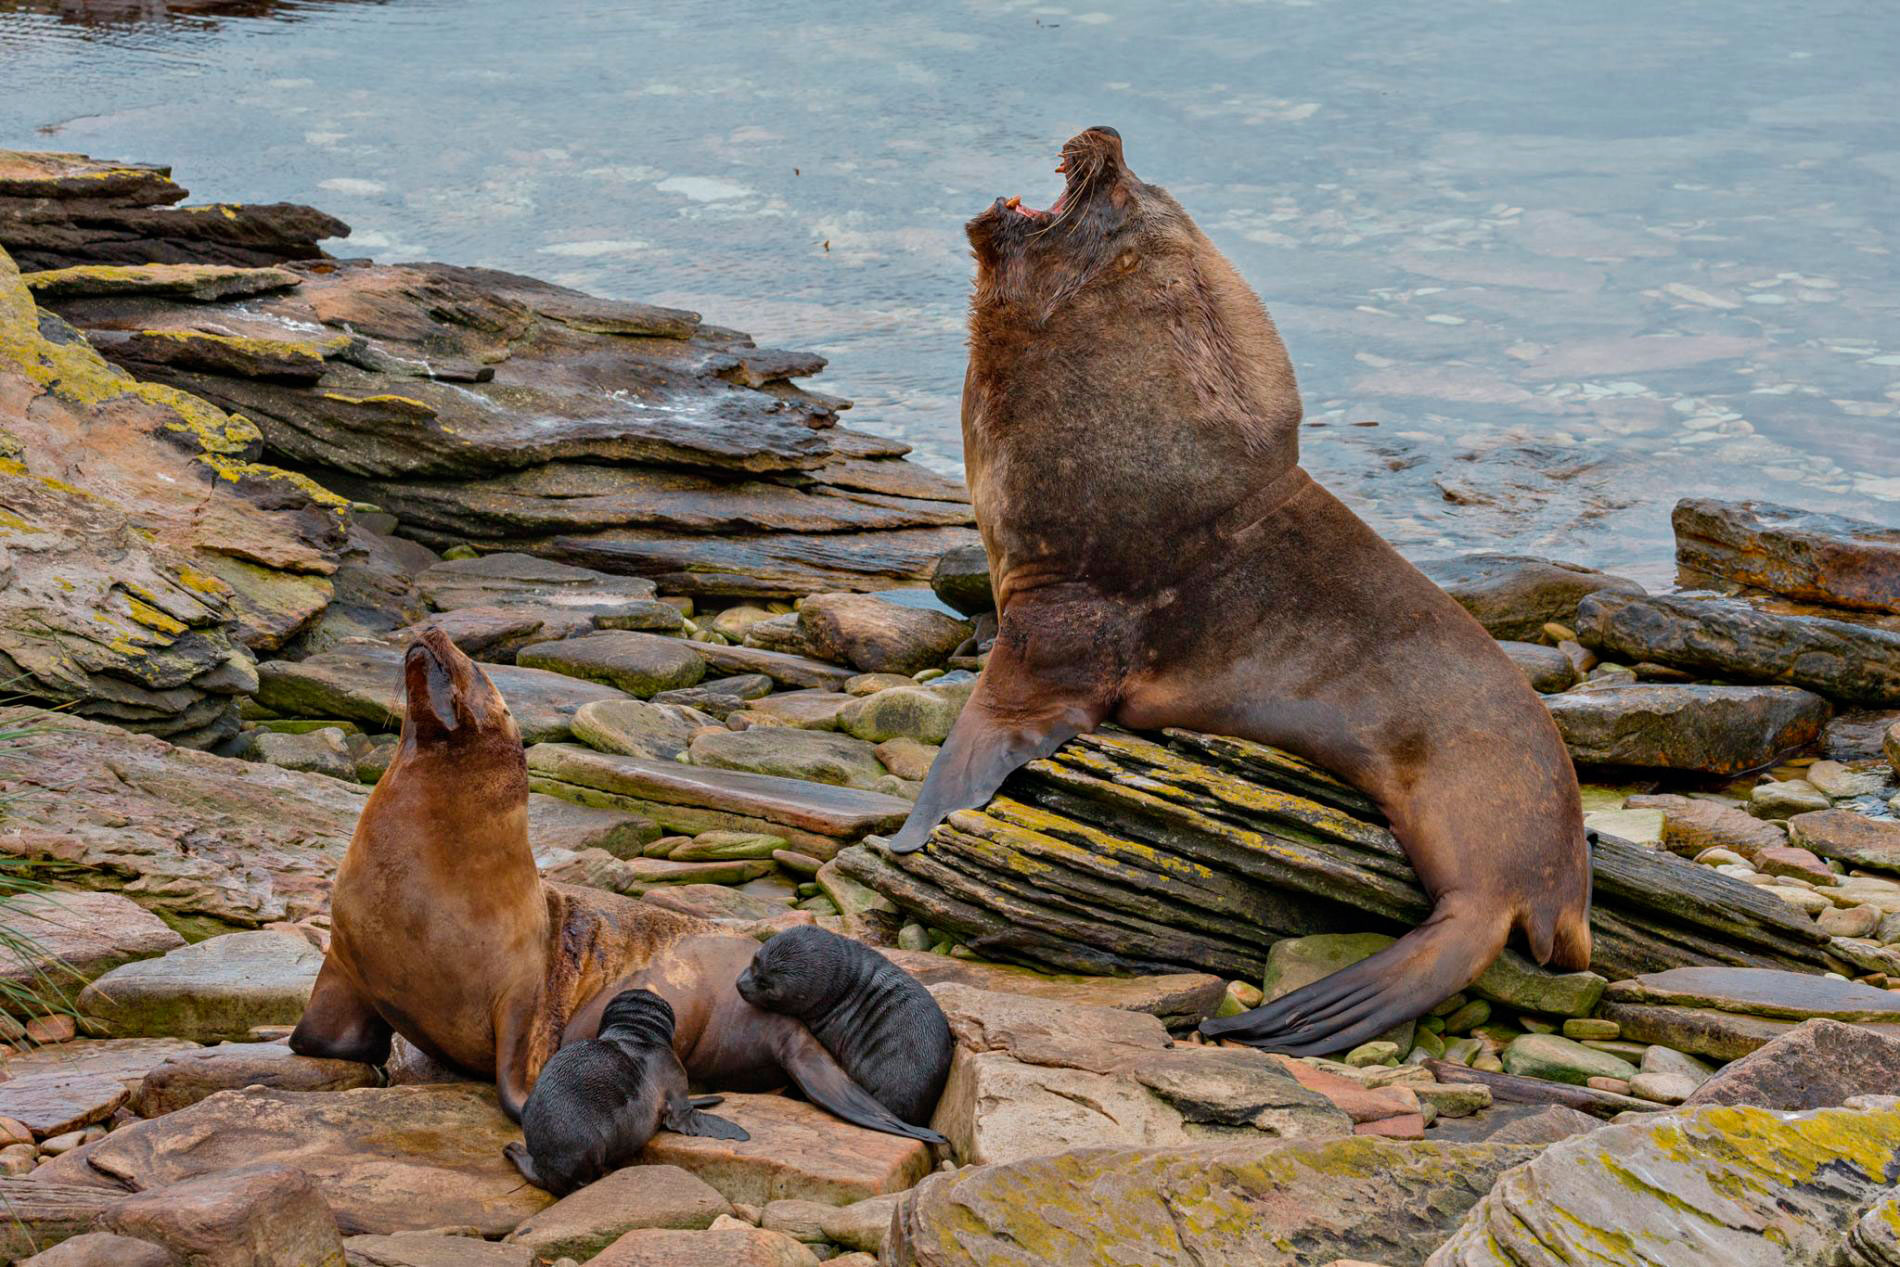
point(598, 1101)
point(878, 1020)
point(1130, 430)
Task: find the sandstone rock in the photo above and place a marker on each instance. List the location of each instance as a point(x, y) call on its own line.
point(638, 728)
point(66, 938)
point(126, 1059)
point(1725, 1013)
point(862, 1225)
point(1842, 782)
point(215, 989)
point(715, 901)
point(1712, 729)
point(1713, 1179)
point(711, 846)
point(718, 1247)
point(1785, 798)
point(922, 713)
point(1515, 981)
point(423, 1249)
point(494, 633)
point(187, 1077)
point(1559, 1059)
point(1179, 1000)
point(806, 709)
point(251, 1216)
point(639, 664)
point(521, 580)
point(1297, 961)
point(1856, 660)
point(386, 1159)
point(586, 1221)
point(813, 756)
point(54, 1103)
point(878, 636)
point(1517, 1124)
point(1274, 1203)
point(102, 1249)
point(1817, 1064)
point(321, 751)
point(797, 1150)
point(785, 668)
point(1853, 838)
point(1803, 554)
point(1547, 668)
point(1692, 825)
point(961, 578)
point(1515, 595)
point(554, 823)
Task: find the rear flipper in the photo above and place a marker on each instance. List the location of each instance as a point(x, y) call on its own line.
point(681, 1115)
point(517, 1152)
point(1408, 978)
point(825, 1083)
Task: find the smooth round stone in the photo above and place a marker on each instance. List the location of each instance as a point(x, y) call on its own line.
point(1377, 1052)
point(1786, 799)
point(913, 937)
point(1663, 1088)
point(1852, 921)
point(1667, 1060)
point(872, 683)
point(1559, 1059)
point(1714, 857)
point(1583, 1027)
point(1616, 1086)
point(1803, 899)
point(1468, 1017)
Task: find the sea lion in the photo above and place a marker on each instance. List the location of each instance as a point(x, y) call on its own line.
point(878, 1020)
point(728, 1044)
point(1130, 431)
point(441, 928)
point(598, 1101)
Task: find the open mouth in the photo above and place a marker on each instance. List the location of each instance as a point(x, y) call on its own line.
point(1015, 204)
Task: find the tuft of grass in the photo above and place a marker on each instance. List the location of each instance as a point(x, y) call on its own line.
point(38, 991)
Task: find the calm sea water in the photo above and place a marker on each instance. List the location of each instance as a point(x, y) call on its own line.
point(1542, 268)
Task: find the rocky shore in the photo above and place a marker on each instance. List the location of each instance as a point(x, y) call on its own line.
point(237, 474)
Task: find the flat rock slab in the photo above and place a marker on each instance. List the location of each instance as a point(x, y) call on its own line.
point(1759, 992)
point(715, 901)
point(1816, 1065)
point(1691, 824)
point(425, 1249)
point(262, 1213)
point(1178, 999)
point(203, 283)
point(781, 667)
point(1853, 838)
point(511, 578)
point(1857, 660)
point(54, 1103)
point(1275, 1203)
point(127, 1059)
point(807, 709)
point(1515, 595)
point(1697, 1188)
point(188, 1077)
point(586, 1221)
point(41, 1213)
point(661, 788)
point(191, 834)
point(557, 824)
point(1803, 554)
point(811, 756)
point(101, 1249)
point(639, 664)
point(1707, 1031)
point(387, 1159)
point(797, 1150)
point(363, 682)
point(216, 989)
point(721, 1247)
point(69, 938)
point(1662, 726)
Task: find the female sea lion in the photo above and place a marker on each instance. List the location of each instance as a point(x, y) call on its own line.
point(1130, 430)
point(728, 1044)
point(598, 1101)
point(441, 928)
point(878, 1020)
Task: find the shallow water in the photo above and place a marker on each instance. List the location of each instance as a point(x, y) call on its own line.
point(1573, 262)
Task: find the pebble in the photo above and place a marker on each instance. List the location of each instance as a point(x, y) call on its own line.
point(1619, 1086)
point(1792, 860)
point(1717, 856)
point(13, 1131)
point(1851, 921)
point(1582, 1027)
point(1377, 1052)
point(65, 1143)
point(913, 937)
point(1663, 1088)
point(1805, 899)
point(51, 1029)
point(1557, 633)
point(1468, 1017)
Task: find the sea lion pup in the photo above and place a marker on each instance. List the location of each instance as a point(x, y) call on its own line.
point(598, 1101)
point(441, 928)
point(727, 1044)
point(1159, 559)
point(879, 1021)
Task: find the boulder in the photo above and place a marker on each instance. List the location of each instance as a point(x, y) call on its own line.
point(1515, 595)
point(251, 1216)
point(796, 1151)
point(1271, 1203)
point(1559, 1059)
point(1546, 668)
point(1696, 1188)
point(1709, 729)
point(863, 1225)
point(102, 1249)
point(386, 1159)
point(878, 636)
point(1855, 659)
point(66, 939)
point(215, 989)
point(1855, 839)
point(325, 750)
point(1517, 1124)
point(363, 682)
point(589, 1219)
point(495, 633)
point(734, 1245)
point(636, 663)
point(1804, 554)
point(813, 756)
point(1816, 1065)
point(639, 728)
point(922, 713)
point(1516, 982)
point(187, 1077)
point(810, 709)
point(961, 578)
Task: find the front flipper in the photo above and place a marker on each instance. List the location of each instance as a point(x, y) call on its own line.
point(1051, 675)
point(817, 1073)
point(338, 1023)
point(680, 1116)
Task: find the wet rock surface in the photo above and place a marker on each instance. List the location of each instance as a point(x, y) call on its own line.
point(1711, 729)
point(1515, 595)
point(1804, 554)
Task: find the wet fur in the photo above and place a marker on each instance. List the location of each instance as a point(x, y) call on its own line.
point(598, 1101)
point(880, 1022)
point(1130, 424)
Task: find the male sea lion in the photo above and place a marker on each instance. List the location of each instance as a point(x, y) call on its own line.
point(878, 1020)
point(727, 1044)
point(441, 928)
point(1159, 559)
point(598, 1101)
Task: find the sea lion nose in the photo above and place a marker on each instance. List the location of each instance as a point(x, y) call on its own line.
point(1105, 130)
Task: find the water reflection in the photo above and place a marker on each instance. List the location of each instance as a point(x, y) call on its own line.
point(1572, 263)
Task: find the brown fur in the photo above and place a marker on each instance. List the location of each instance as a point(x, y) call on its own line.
point(1130, 424)
point(442, 929)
